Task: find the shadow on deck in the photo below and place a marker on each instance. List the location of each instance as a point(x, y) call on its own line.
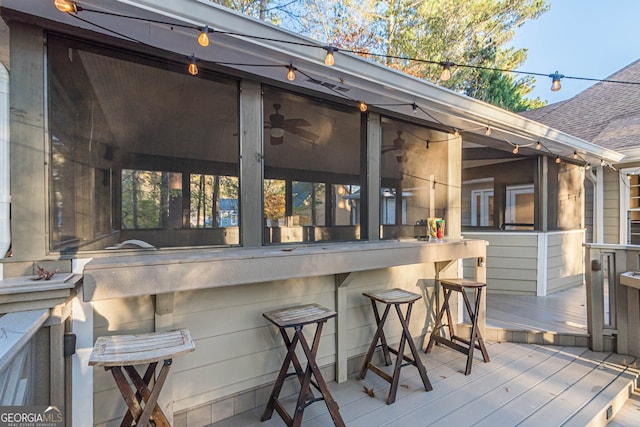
point(527, 384)
point(524, 384)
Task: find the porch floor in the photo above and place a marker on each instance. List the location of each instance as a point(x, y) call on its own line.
point(524, 384)
point(561, 312)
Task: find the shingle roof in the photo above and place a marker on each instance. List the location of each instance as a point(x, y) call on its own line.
point(607, 114)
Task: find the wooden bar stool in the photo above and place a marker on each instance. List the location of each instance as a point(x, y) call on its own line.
point(297, 317)
point(394, 297)
point(125, 351)
point(475, 341)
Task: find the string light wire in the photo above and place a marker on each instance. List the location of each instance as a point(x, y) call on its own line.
point(332, 49)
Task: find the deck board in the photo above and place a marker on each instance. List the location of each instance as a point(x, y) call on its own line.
point(523, 383)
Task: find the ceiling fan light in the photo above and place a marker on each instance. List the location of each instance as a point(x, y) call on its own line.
point(276, 132)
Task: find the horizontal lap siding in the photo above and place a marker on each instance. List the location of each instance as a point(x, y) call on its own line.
point(511, 262)
point(237, 349)
point(611, 208)
point(116, 317)
point(564, 260)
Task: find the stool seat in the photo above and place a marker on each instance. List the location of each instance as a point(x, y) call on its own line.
point(393, 297)
point(463, 345)
point(120, 352)
point(297, 317)
point(300, 315)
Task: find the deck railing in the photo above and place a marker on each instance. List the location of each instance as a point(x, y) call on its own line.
point(613, 310)
point(17, 356)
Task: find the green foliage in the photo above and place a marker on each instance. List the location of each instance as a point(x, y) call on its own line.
point(461, 31)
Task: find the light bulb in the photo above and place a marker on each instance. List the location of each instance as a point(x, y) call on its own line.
point(538, 145)
point(602, 163)
point(555, 81)
point(291, 75)
point(203, 38)
point(65, 6)
point(363, 107)
point(575, 154)
point(558, 159)
point(587, 166)
point(456, 133)
point(515, 150)
point(193, 67)
point(446, 70)
point(487, 131)
point(414, 108)
point(329, 59)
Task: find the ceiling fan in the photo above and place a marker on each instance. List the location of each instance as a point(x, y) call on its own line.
point(398, 148)
point(278, 126)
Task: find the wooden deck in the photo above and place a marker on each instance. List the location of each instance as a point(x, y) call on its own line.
point(562, 312)
point(524, 384)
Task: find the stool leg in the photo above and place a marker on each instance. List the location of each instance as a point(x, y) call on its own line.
point(143, 394)
point(474, 331)
point(480, 345)
point(153, 397)
point(374, 343)
point(268, 411)
point(312, 368)
point(412, 347)
point(436, 327)
point(383, 338)
point(132, 403)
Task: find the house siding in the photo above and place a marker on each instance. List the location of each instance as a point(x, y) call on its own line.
point(564, 260)
point(237, 350)
point(611, 209)
point(511, 262)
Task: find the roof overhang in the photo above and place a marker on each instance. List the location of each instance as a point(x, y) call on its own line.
point(382, 88)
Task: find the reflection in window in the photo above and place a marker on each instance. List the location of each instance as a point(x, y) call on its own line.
point(519, 210)
point(214, 201)
point(134, 155)
point(151, 199)
point(413, 177)
point(312, 176)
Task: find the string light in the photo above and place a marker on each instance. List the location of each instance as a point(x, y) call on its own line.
point(193, 67)
point(555, 81)
point(446, 70)
point(575, 155)
point(66, 6)
point(329, 60)
point(587, 166)
point(203, 38)
point(291, 75)
point(603, 163)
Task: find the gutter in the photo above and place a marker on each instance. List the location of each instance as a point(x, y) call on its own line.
point(5, 189)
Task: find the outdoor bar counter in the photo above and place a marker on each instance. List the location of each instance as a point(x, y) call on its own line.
point(162, 273)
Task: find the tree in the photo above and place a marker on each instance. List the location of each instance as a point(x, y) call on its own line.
point(392, 31)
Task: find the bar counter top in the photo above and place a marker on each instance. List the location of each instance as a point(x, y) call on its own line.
point(164, 271)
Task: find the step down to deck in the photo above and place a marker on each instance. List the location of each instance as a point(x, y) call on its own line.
point(607, 389)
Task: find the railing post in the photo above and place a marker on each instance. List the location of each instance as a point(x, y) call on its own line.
point(595, 298)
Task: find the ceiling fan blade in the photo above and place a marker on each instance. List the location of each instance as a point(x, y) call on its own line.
point(296, 123)
point(303, 133)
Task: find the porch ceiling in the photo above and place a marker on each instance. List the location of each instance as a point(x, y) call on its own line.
point(354, 77)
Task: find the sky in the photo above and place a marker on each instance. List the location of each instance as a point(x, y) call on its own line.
point(582, 38)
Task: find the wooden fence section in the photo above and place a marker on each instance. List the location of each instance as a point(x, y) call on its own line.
point(613, 309)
